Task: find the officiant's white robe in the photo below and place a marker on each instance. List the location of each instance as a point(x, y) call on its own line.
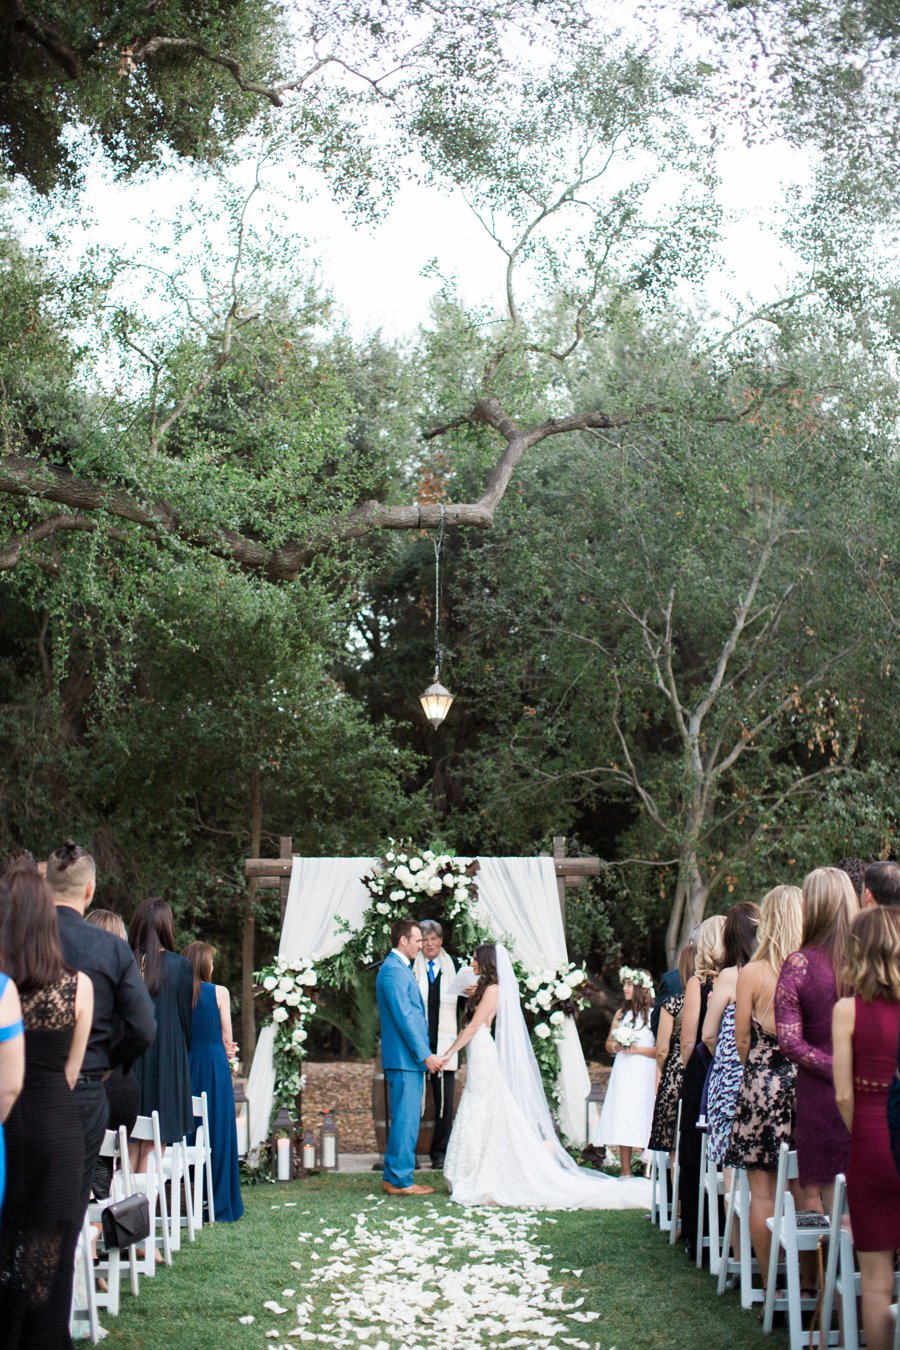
point(448, 1022)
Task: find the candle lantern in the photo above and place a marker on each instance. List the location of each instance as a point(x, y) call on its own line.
point(242, 1118)
point(282, 1145)
point(308, 1151)
point(328, 1142)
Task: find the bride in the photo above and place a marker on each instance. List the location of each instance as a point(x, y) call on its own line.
point(503, 1148)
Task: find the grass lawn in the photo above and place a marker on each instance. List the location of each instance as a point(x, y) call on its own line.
point(647, 1294)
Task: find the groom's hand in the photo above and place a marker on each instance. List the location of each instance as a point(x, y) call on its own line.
point(434, 1064)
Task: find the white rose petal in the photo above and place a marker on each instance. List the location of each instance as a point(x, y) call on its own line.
point(247, 1321)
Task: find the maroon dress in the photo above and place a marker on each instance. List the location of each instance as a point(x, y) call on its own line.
point(804, 1001)
point(873, 1186)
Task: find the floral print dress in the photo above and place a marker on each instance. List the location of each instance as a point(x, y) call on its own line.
point(665, 1111)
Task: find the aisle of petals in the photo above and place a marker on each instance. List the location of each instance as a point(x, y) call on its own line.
point(424, 1278)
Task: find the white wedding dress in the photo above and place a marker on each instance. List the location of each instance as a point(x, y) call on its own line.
point(496, 1155)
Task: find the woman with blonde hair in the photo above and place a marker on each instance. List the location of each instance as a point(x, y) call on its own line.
point(808, 988)
point(865, 1031)
point(764, 1115)
point(696, 1059)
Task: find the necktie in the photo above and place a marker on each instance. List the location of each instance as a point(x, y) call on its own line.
point(431, 972)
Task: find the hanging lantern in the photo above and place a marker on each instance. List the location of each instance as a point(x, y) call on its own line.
point(328, 1143)
point(436, 700)
point(282, 1145)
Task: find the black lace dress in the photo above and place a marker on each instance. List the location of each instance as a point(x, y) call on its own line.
point(665, 1112)
point(45, 1160)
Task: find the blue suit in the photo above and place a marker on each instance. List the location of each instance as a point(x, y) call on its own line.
point(404, 1050)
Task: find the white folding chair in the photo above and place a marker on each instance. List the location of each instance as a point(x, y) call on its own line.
point(198, 1161)
point(676, 1176)
point(114, 1147)
point(711, 1192)
point(841, 1278)
point(660, 1190)
point(84, 1293)
point(175, 1171)
point(787, 1238)
point(746, 1265)
point(146, 1130)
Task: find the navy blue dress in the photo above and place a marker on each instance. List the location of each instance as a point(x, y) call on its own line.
point(162, 1072)
point(210, 1074)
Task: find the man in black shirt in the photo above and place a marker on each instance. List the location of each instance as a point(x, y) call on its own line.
point(123, 1024)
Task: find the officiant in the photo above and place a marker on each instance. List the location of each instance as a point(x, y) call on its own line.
point(434, 969)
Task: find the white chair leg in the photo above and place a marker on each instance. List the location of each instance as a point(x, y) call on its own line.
point(726, 1235)
point(701, 1199)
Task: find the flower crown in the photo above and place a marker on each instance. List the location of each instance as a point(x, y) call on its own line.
point(639, 978)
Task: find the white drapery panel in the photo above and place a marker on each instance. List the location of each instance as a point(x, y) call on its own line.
point(518, 898)
point(321, 890)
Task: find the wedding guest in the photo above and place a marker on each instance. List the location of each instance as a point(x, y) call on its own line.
point(668, 1057)
point(15, 860)
point(12, 1050)
point(122, 1025)
point(45, 1145)
point(434, 969)
point(670, 985)
point(627, 1113)
point(865, 1034)
point(163, 1073)
point(695, 1058)
point(123, 1096)
point(856, 871)
point(882, 884)
point(764, 1114)
point(738, 941)
point(212, 1045)
point(807, 990)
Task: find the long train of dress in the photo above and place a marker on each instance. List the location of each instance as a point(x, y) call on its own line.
point(496, 1156)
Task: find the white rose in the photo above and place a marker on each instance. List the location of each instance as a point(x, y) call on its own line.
point(428, 855)
point(292, 999)
point(382, 907)
point(563, 991)
point(533, 982)
point(435, 885)
point(299, 1035)
point(397, 895)
point(309, 978)
point(389, 857)
point(548, 977)
point(269, 983)
point(280, 1015)
point(279, 995)
point(415, 864)
point(404, 876)
point(557, 1018)
point(542, 1030)
point(286, 984)
point(544, 998)
point(577, 977)
point(402, 858)
point(460, 894)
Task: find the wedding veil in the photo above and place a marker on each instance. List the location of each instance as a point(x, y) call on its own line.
point(517, 1062)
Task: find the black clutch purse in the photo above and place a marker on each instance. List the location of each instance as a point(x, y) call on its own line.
point(126, 1222)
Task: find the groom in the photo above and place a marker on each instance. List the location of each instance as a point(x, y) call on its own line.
point(405, 1055)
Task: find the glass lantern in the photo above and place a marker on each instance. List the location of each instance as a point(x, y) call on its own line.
point(282, 1145)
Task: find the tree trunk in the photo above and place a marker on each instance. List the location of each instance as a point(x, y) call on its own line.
point(248, 1011)
point(689, 905)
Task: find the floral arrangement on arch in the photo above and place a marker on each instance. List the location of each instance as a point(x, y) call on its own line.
point(283, 996)
point(552, 996)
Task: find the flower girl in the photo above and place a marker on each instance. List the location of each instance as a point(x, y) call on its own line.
point(627, 1113)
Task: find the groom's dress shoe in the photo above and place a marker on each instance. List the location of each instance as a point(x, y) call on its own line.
point(406, 1190)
